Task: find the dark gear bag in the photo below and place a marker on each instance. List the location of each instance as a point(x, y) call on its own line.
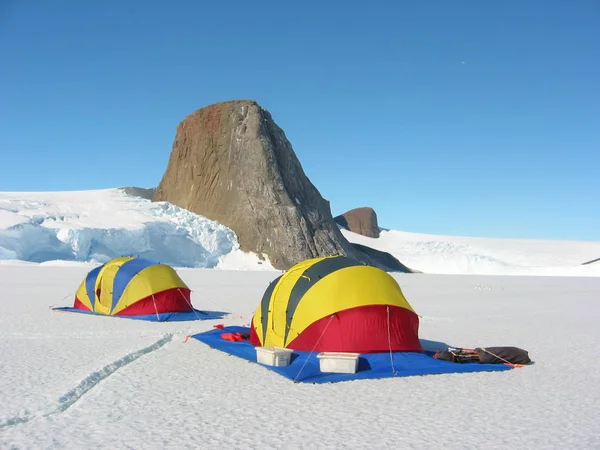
point(485, 355)
point(499, 355)
point(458, 355)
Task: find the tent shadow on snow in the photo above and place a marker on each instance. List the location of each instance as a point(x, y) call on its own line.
point(180, 316)
point(137, 288)
point(336, 304)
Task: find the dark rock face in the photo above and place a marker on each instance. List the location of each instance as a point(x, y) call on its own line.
point(230, 162)
point(360, 220)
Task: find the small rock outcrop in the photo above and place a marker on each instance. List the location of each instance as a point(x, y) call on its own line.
point(360, 220)
point(232, 163)
point(146, 193)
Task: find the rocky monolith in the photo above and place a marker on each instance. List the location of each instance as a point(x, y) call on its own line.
point(232, 163)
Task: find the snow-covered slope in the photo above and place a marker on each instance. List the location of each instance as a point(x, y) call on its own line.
point(485, 256)
point(94, 226)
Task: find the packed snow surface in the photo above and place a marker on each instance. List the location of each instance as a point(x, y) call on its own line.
point(73, 381)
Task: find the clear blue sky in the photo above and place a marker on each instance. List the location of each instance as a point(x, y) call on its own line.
point(465, 117)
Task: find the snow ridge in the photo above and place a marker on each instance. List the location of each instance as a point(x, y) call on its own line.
point(95, 226)
point(40, 231)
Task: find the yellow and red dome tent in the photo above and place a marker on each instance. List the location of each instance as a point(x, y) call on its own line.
point(137, 288)
point(336, 304)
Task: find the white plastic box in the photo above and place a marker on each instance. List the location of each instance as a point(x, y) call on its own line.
point(338, 362)
point(273, 356)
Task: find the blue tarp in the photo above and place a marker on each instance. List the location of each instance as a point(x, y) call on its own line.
point(162, 317)
point(304, 366)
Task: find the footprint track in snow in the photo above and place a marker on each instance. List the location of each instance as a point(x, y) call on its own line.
point(88, 383)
